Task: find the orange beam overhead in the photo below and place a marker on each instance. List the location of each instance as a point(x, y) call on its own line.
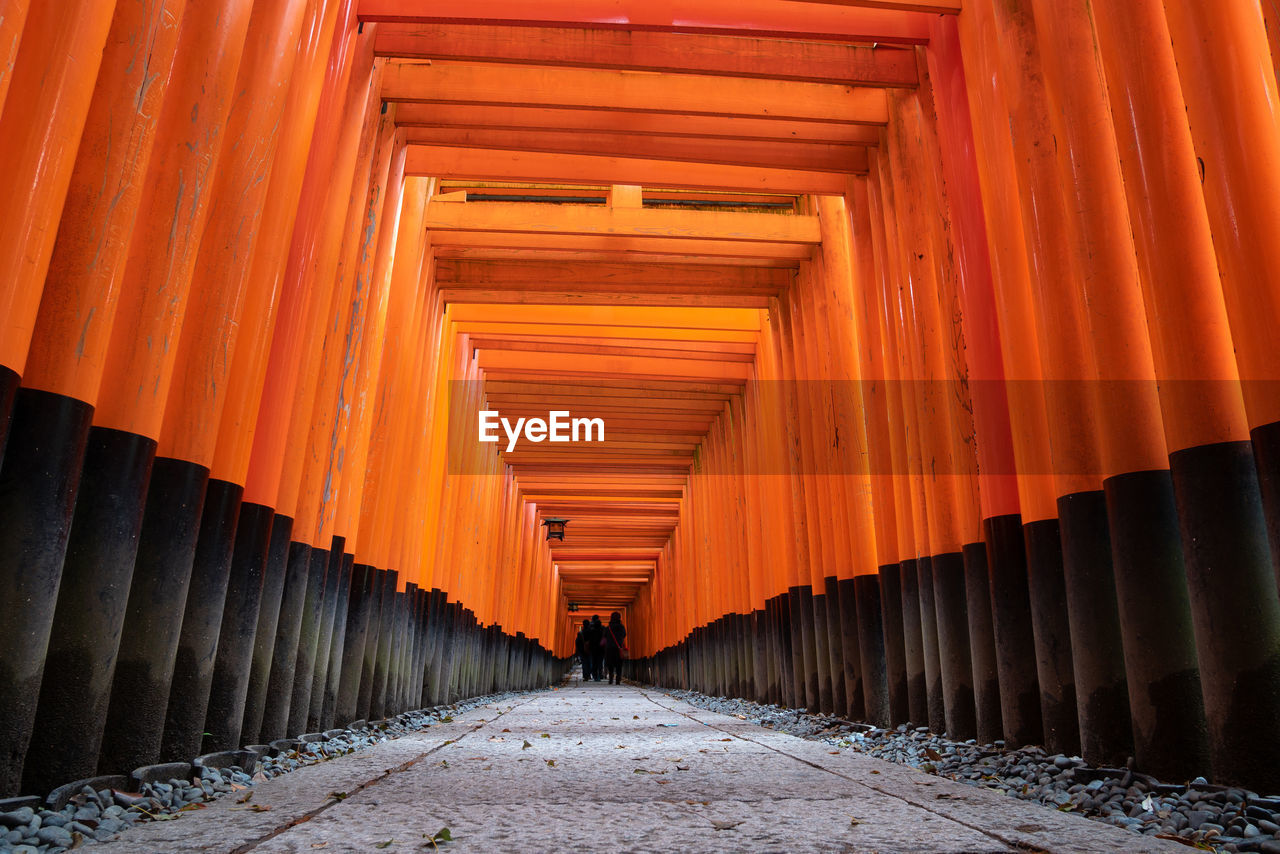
point(638, 223)
point(818, 157)
point(639, 50)
point(830, 22)
point(462, 296)
point(739, 319)
point(584, 88)
point(564, 364)
point(487, 164)
point(632, 277)
point(518, 117)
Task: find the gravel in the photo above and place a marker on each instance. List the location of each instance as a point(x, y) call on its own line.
point(99, 816)
point(1198, 813)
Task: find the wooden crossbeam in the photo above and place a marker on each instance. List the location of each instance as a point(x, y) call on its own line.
point(640, 50)
point(820, 157)
point(443, 218)
point(635, 276)
point(587, 88)
point(526, 118)
point(870, 21)
point(486, 164)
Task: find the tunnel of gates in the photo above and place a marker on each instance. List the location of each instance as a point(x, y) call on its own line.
point(933, 341)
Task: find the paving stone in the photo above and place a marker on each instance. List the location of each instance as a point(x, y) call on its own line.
point(593, 766)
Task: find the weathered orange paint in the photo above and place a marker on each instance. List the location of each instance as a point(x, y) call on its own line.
point(1200, 395)
point(279, 214)
point(221, 302)
point(50, 91)
point(1234, 113)
point(156, 282)
point(82, 289)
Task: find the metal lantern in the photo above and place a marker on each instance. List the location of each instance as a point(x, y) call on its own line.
point(555, 528)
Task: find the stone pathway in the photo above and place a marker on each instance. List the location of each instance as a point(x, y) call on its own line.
point(588, 767)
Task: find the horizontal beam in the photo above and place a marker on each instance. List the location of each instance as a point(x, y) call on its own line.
point(572, 364)
point(731, 56)
point(632, 223)
point(769, 18)
point(485, 164)
point(589, 256)
point(718, 319)
point(820, 157)
point(623, 244)
point(464, 296)
point(588, 88)
point(524, 274)
point(515, 117)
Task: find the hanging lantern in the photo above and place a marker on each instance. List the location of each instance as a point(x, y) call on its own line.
point(555, 528)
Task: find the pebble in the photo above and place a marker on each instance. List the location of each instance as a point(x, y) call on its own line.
point(100, 815)
point(1208, 816)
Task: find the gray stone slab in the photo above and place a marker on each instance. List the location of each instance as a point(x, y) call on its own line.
point(557, 771)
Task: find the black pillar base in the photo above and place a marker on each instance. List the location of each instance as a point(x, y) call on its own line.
point(238, 633)
point(982, 644)
point(1102, 694)
point(284, 651)
point(913, 644)
point(304, 669)
point(1014, 638)
point(935, 697)
point(871, 648)
point(9, 383)
point(153, 617)
point(950, 600)
point(201, 623)
point(94, 592)
point(1235, 609)
point(895, 654)
point(38, 481)
point(1047, 586)
point(265, 633)
point(855, 683)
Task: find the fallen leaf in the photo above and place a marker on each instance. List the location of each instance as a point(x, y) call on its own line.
point(338, 796)
point(875, 772)
point(932, 754)
point(855, 821)
point(526, 745)
point(193, 806)
point(726, 739)
point(447, 719)
point(506, 730)
point(545, 735)
point(259, 808)
point(635, 717)
point(386, 844)
point(551, 762)
point(834, 752)
point(682, 767)
point(725, 825)
point(248, 796)
point(319, 844)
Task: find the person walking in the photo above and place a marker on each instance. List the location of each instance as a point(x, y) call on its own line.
point(597, 648)
point(615, 647)
point(583, 649)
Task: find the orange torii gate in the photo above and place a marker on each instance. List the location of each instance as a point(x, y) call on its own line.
point(930, 341)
